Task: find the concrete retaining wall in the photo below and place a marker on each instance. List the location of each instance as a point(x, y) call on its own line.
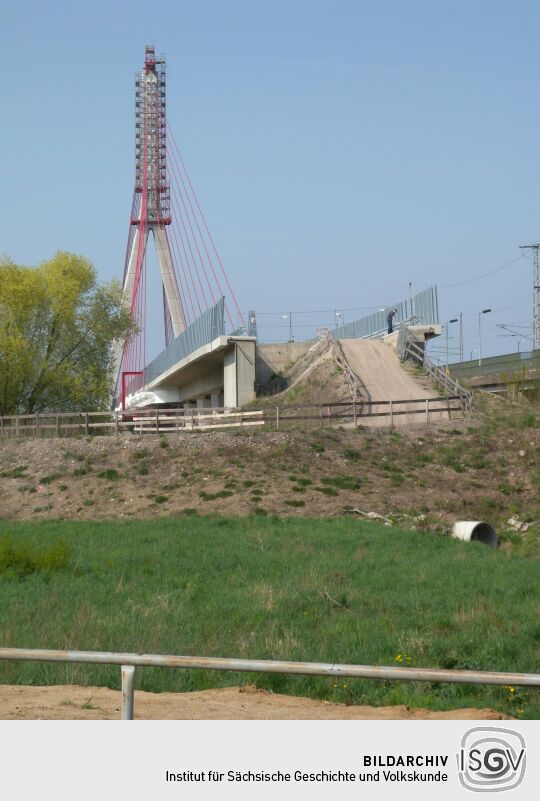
point(273, 359)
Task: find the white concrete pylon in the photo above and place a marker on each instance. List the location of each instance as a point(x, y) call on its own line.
point(168, 278)
point(172, 293)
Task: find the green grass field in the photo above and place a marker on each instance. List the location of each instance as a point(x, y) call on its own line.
point(333, 590)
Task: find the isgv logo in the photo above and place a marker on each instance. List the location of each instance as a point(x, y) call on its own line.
point(491, 759)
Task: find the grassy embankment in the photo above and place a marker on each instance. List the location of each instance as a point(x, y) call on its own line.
point(335, 590)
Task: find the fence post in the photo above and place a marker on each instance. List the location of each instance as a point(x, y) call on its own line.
point(354, 414)
point(427, 410)
point(320, 414)
point(128, 691)
point(57, 425)
point(116, 422)
point(277, 418)
point(391, 415)
point(157, 421)
point(86, 428)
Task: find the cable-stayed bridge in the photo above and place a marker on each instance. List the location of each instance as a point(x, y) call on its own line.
point(200, 362)
point(210, 351)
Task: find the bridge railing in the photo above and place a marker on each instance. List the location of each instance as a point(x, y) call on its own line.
point(409, 350)
point(206, 328)
point(128, 663)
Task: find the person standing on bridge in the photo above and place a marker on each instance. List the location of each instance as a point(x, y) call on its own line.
point(390, 320)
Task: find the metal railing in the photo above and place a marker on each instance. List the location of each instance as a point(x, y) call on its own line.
point(357, 390)
point(206, 328)
point(422, 309)
point(510, 365)
point(408, 349)
point(141, 421)
point(128, 663)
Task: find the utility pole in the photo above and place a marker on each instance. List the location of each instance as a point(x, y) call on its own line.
point(534, 246)
point(461, 336)
point(480, 313)
point(453, 320)
point(289, 315)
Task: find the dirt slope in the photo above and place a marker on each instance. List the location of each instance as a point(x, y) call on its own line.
point(384, 377)
point(232, 703)
point(382, 374)
point(314, 378)
point(441, 474)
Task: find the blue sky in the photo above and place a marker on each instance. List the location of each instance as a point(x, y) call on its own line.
point(338, 149)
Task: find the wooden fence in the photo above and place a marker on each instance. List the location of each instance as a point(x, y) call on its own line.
point(143, 421)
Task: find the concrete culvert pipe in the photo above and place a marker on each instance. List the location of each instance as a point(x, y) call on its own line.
point(475, 531)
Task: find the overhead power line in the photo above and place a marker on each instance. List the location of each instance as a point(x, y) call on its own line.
point(484, 275)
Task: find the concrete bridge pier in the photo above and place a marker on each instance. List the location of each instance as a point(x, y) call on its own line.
point(239, 373)
point(216, 375)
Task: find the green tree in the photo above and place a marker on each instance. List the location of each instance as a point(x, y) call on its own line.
point(57, 328)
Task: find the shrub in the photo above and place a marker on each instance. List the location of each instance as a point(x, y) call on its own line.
point(295, 503)
point(529, 420)
point(82, 471)
point(353, 454)
point(343, 482)
point(326, 490)
point(23, 558)
point(50, 479)
point(110, 473)
point(16, 472)
point(211, 496)
point(161, 499)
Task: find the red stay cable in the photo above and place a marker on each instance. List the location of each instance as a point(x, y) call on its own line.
point(180, 217)
point(176, 230)
point(193, 235)
point(205, 224)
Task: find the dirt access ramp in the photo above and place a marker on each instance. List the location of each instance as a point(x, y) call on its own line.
point(384, 378)
point(68, 702)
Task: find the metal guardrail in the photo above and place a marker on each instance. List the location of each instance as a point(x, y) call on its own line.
point(128, 662)
point(422, 309)
point(512, 365)
point(206, 328)
point(408, 349)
